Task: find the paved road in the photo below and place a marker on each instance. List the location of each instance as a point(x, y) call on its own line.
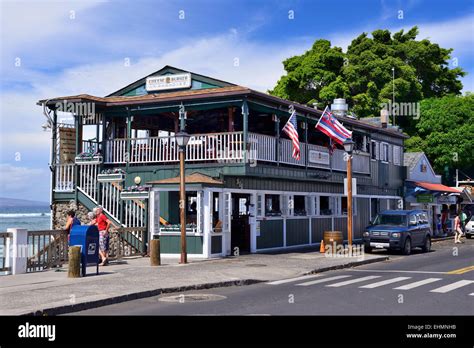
point(437, 283)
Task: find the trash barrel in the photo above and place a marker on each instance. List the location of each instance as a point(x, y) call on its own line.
point(331, 237)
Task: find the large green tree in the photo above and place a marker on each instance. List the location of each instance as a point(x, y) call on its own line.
point(445, 131)
point(363, 75)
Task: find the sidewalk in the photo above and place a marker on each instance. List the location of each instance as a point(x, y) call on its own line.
point(51, 292)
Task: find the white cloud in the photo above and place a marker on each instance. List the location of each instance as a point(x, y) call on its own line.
point(23, 182)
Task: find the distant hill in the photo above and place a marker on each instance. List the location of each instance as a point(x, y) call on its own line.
point(13, 202)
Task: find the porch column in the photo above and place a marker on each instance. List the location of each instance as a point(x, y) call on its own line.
point(245, 115)
point(129, 135)
point(230, 114)
point(277, 142)
point(207, 221)
point(77, 150)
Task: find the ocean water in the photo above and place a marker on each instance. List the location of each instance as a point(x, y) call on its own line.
point(32, 218)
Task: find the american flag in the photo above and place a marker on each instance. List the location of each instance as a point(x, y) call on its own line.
point(291, 130)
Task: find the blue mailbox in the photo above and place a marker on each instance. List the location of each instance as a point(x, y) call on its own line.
point(87, 237)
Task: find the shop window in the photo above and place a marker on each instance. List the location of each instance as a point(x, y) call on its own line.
point(272, 205)
point(325, 205)
point(343, 210)
point(299, 206)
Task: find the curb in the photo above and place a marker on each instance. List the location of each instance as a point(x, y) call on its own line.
point(434, 240)
point(348, 265)
point(150, 293)
point(135, 296)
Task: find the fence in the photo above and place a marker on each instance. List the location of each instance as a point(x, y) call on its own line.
point(4, 236)
point(46, 249)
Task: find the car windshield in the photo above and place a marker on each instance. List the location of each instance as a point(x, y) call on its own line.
point(394, 220)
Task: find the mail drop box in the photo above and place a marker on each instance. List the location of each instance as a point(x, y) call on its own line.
point(87, 237)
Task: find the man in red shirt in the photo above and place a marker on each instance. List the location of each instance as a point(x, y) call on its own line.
point(103, 225)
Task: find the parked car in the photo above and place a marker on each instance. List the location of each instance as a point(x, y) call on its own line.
point(470, 228)
point(399, 230)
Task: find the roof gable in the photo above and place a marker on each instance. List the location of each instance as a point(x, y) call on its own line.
point(197, 82)
point(414, 161)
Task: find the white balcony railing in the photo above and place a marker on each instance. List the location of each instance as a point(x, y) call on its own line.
point(64, 178)
point(229, 147)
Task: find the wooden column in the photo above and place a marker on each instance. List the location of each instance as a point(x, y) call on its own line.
point(230, 117)
point(245, 125)
point(129, 135)
point(277, 142)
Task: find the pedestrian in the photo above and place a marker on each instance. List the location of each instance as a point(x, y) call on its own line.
point(463, 221)
point(103, 224)
point(444, 220)
point(71, 221)
point(91, 217)
point(457, 229)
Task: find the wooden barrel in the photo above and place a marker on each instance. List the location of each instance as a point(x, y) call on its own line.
point(330, 237)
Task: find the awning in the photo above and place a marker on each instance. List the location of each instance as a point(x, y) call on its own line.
point(436, 187)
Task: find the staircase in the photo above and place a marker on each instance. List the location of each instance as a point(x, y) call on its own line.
point(127, 216)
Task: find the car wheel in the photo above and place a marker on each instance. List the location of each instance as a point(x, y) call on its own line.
point(427, 246)
point(407, 247)
point(468, 236)
point(367, 249)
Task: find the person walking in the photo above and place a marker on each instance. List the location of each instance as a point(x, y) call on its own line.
point(71, 221)
point(464, 220)
point(457, 229)
point(103, 224)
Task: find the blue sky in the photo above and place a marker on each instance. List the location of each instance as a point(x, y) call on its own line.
point(53, 48)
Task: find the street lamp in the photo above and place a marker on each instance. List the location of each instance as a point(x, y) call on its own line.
point(349, 147)
point(182, 139)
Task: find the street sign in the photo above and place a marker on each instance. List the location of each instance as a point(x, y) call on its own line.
point(424, 198)
point(354, 187)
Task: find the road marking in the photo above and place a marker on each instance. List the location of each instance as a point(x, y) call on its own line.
point(384, 282)
point(347, 282)
point(462, 270)
point(322, 280)
point(417, 284)
point(283, 281)
point(394, 271)
point(453, 286)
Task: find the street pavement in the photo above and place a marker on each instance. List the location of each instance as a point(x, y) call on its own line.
point(437, 283)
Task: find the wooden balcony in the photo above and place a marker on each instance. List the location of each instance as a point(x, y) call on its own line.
point(229, 148)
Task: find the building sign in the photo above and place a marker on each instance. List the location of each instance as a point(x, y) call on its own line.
point(160, 83)
point(67, 145)
point(318, 157)
point(424, 198)
point(447, 200)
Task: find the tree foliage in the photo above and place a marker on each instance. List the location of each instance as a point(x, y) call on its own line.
point(363, 75)
point(445, 131)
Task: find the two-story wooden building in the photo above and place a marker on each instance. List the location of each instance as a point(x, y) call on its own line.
point(244, 189)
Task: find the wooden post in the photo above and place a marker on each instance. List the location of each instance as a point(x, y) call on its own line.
point(74, 270)
point(245, 125)
point(230, 113)
point(277, 141)
point(349, 201)
point(155, 255)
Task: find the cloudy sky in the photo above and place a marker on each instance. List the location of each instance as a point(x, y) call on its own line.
point(53, 48)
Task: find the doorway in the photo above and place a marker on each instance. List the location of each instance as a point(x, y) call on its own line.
point(240, 227)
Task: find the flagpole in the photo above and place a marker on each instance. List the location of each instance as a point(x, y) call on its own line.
point(321, 117)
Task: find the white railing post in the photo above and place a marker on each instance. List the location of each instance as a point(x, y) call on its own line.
point(17, 250)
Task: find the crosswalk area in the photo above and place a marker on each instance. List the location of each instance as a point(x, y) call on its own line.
point(437, 285)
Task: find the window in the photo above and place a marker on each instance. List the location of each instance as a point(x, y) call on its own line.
point(272, 205)
point(343, 210)
point(374, 150)
point(423, 167)
point(384, 152)
point(299, 206)
point(325, 205)
point(396, 155)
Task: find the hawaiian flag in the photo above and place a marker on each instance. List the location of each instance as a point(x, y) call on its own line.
point(329, 125)
point(291, 130)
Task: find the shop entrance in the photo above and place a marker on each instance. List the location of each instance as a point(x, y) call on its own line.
point(240, 227)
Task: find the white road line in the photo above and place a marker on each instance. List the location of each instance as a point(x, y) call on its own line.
point(417, 284)
point(453, 286)
point(324, 280)
point(384, 282)
point(347, 282)
point(394, 271)
point(283, 281)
